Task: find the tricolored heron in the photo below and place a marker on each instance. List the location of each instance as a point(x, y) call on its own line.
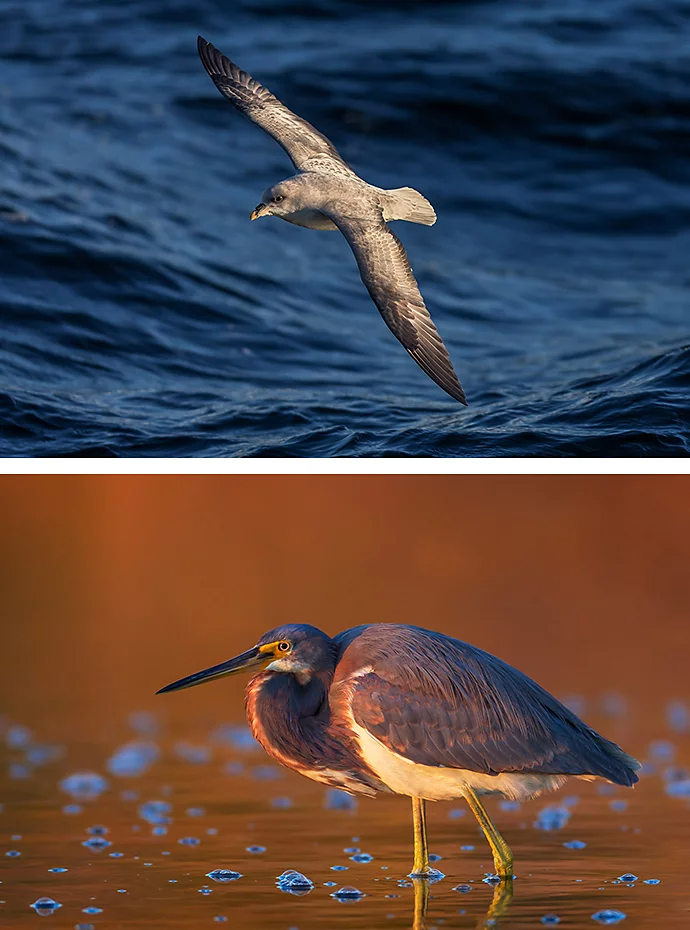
point(395, 708)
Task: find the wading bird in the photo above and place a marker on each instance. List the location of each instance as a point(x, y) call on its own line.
point(327, 194)
point(394, 708)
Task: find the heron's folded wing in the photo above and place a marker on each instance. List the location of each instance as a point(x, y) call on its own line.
point(452, 705)
point(386, 273)
point(299, 138)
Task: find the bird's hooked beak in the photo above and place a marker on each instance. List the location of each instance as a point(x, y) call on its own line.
point(257, 655)
point(258, 211)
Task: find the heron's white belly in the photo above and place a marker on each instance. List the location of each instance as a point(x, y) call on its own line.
point(443, 784)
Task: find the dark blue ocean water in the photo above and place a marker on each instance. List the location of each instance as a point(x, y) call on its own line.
point(143, 314)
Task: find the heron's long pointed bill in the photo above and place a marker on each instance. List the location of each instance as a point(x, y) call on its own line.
point(257, 211)
point(249, 659)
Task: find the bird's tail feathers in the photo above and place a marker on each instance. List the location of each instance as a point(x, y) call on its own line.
point(405, 203)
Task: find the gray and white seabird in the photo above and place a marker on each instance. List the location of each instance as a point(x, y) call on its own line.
point(327, 194)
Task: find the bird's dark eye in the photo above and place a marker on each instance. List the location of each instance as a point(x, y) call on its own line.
point(277, 199)
point(283, 646)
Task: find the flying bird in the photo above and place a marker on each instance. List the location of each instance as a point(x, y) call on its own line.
point(326, 194)
point(398, 709)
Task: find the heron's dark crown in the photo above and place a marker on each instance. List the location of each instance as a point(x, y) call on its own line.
point(311, 647)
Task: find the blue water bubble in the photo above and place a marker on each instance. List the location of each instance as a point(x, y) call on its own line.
point(455, 813)
point(463, 889)
point(144, 722)
point(18, 770)
point(661, 750)
point(196, 753)
point(337, 800)
point(42, 755)
point(45, 906)
point(293, 882)
point(281, 803)
point(339, 868)
point(614, 705)
point(72, 809)
point(18, 737)
point(256, 850)
point(348, 893)
point(220, 919)
point(550, 919)
point(627, 877)
point(678, 716)
point(361, 857)
point(133, 758)
point(96, 843)
point(467, 848)
point(98, 830)
point(239, 737)
point(155, 811)
point(652, 881)
point(618, 805)
point(84, 785)
point(608, 917)
point(205, 890)
point(266, 772)
point(678, 789)
point(195, 811)
point(116, 855)
point(92, 910)
point(352, 850)
point(224, 875)
point(57, 869)
point(574, 844)
point(330, 884)
point(434, 857)
point(576, 703)
point(13, 853)
point(159, 831)
point(552, 817)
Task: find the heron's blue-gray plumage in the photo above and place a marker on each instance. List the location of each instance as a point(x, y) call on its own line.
point(438, 701)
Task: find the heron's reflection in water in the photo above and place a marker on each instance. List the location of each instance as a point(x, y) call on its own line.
point(503, 894)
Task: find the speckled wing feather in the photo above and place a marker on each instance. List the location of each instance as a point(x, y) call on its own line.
point(386, 273)
point(440, 702)
point(299, 138)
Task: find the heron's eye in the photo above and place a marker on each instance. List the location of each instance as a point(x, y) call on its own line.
point(284, 646)
point(277, 199)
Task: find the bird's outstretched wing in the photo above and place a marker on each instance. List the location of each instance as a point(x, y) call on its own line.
point(299, 138)
point(441, 702)
point(386, 273)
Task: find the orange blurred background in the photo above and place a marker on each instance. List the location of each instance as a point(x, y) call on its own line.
point(112, 586)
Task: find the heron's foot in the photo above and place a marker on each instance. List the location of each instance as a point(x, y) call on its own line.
point(427, 873)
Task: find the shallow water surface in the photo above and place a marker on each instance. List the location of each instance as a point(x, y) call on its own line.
point(219, 797)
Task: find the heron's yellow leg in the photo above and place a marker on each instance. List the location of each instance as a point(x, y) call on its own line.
point(421, 903)
point(503, 857)
point(503, 894)
point(421, 865)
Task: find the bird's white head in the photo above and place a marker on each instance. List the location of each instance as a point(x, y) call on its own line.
point(282, 199)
